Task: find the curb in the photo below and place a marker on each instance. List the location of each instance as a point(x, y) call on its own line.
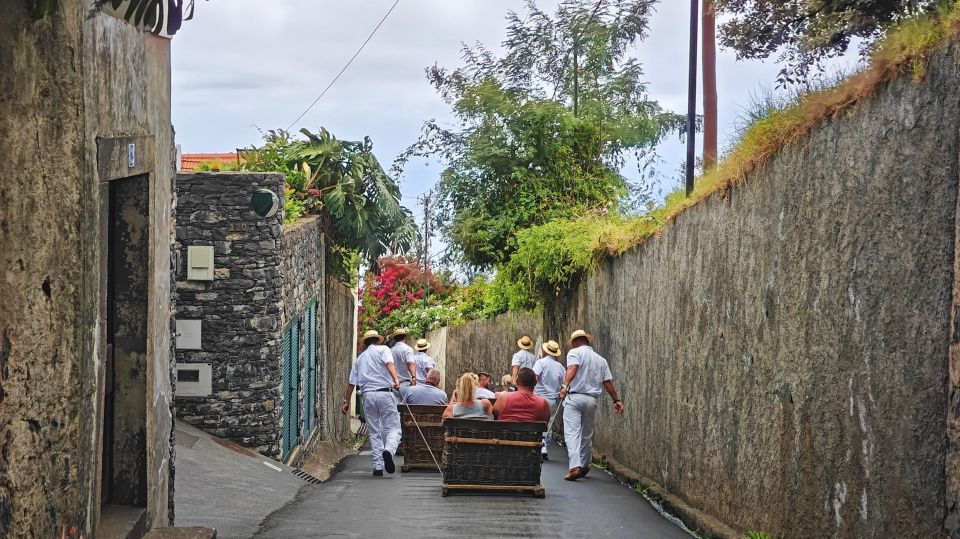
point(704, 524)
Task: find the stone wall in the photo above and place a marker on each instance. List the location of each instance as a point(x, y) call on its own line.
point(340, 350)
point(483, 345)
point(302, 266)
point(782, 347)
point(240, 310)
point(70, 84)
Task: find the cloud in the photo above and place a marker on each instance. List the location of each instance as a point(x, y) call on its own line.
point(246, 63)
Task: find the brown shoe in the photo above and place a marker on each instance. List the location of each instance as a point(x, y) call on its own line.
point(584, 471)
point(573, 474)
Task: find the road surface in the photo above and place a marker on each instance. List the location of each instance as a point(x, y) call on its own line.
point(353, 503)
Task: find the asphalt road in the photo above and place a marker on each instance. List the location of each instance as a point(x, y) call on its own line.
point(353, 503)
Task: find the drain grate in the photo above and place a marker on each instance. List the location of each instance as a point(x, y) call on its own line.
point(305, 476)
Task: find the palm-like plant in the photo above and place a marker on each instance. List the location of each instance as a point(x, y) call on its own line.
point(358, 202)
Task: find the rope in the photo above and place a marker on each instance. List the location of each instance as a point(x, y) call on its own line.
point(424, 438)
point(555, 414)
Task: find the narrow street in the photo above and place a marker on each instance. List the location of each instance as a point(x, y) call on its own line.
point(353, 503)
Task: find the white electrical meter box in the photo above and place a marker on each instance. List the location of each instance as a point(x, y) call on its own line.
point(200, 263)
point(188, 335)
point(194, 380)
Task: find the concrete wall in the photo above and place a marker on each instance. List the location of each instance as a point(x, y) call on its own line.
point(340, 350)
point(240, 310)
point(782, 347)
point(69, 85)
point(483, 345)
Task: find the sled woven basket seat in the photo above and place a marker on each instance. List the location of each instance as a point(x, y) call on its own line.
point(480, 454)
point(429, 418)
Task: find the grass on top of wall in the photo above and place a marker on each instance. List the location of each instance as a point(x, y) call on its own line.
point(550, 255)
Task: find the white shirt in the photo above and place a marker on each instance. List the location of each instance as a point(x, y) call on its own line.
point(424, 364)
point(549, 377)
point(369, 372)
point(402, 353)
point(425, 394)
point(484, 393)
point(524, 358)
point(591, 374)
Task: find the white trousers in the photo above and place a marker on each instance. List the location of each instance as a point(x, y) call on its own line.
point(548, 435)
point(578, 415)
point(383, 424)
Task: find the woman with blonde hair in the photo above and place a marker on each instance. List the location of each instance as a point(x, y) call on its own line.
point(465, 402)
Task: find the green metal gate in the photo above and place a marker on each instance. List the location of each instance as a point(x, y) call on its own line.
point(310, 368)
point(290, 375)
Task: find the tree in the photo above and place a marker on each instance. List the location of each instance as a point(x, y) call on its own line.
point(343, 182)
point(542, 131)
point(806, 32)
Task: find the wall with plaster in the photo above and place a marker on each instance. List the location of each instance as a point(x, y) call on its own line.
point(782, 347)
point(69, 84)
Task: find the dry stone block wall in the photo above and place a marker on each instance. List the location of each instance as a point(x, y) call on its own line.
point(240, 310)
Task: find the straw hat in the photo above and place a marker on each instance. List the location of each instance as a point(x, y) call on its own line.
point(551, 348)
point(581, 333)
point(371, 334)
point(525, 342)
point(399, 331)
point(422, 345)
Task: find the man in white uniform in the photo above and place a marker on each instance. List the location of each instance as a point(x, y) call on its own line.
point(375, 375)
point(587, 375)
point(423, 362)
point(549, 373)
point(403, 358)
point(523, 358)
point(483, 387)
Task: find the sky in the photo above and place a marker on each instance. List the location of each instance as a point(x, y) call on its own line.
point(241, 67)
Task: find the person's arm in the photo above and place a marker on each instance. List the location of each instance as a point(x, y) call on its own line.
point(514, 371)
point(546, 411)
point(412, 368)
point(346, 399)
point(487, 407)
point(617, 403)
point(567, 378)
point(393, 375)
point(449, 411)
point(497, 407)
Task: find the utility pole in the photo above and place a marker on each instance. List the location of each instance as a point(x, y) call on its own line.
point(425, 200)
point(692, 98)
point(709, 45)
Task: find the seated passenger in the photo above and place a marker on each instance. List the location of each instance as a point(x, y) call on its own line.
point(483, 391)
point(522, 404)
point(506, 382)
point(428, 392)
point(465, 403)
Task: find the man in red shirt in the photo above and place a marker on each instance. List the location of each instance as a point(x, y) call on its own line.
point(522, 404)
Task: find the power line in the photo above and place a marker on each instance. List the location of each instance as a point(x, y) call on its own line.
point(352, 58)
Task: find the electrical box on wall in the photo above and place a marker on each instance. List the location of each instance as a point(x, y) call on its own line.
point(193, 380)
point(188, 335)
point(200, 263)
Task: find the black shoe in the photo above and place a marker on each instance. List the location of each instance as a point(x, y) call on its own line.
point(388, 462)
point(378, 473)
point(544, 457)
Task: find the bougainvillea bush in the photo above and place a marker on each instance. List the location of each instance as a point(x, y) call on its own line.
point(397, 283)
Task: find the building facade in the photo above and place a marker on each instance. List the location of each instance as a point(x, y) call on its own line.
point(85, 226)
